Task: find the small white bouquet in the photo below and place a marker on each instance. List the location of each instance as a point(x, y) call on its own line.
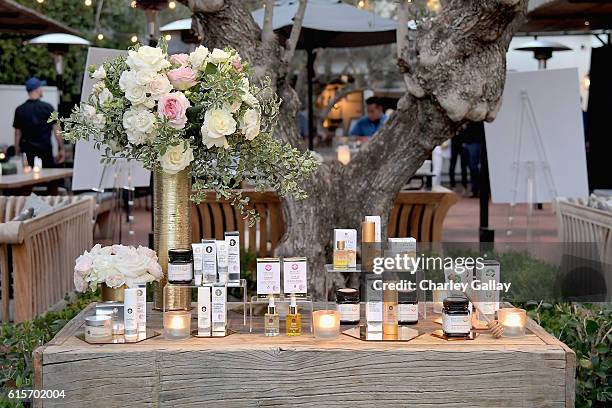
point(115, 266)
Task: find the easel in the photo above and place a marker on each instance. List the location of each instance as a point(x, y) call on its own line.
point(118, 169)
point(528, 116)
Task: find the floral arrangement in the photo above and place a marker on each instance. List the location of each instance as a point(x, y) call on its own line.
point(116, 265)
point(196, 111)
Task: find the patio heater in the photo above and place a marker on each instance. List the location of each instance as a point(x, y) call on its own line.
point(151, 9)
point(542, 50)
point(58, 45)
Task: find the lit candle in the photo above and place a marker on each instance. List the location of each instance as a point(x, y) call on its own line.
point(344, 154)
point(326, 324)
point(513, 320)
point(177, 324)
point(36, 169)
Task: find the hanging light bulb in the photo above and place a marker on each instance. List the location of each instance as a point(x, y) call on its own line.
point(40, 1)
point(134, 39)
point(167, 37)
point(88, 3)
point(361, 4)
point(100, 36)
point(172, 5)
point(133, 4)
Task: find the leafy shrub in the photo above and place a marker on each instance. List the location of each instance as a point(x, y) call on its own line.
point(586, 329)
point(17, 341)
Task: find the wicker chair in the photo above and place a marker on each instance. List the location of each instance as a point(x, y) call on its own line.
point(39, 253)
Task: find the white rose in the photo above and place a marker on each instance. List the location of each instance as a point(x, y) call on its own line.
point(159, 85)
point(138, 96)
point(127, 80)
point(251, 123)
point(144, 76)
point(219, 56)
point(103, 266)
point(197, 59)
point(139, 125)
point(219, 122)
point(250, 99)
point(105, 96)
point(176, 158)
point(97, 120)
point(146, 57)
point(131, 265)
point(99, 73)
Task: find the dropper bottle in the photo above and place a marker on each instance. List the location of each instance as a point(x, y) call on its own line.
point(271, 323)
point(294, 319)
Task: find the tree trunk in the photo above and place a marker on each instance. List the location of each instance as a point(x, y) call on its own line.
point(454, 69)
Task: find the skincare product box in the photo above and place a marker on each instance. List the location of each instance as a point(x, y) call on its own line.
point(219, 309)
point(222, 256)
point(488, 300)
point(374, 306)
point(376, 220)
point(198, 250)
point(209, 261)
point(141, 308)
point(349, 237)
point(295, 276)
point(233, 255)
point(204, 321)
point(268, 277)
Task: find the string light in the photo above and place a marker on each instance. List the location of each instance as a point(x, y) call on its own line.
point(361, 4)
point(133, 4)
point(100, 36)
point(587, 23)
point(134, 39)
point(168, 37)
point(40, 1)
point(88, 3)
point(171, 5)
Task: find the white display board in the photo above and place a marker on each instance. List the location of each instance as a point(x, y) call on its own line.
point(12, 96)
point(553, 97)
point(87, 167)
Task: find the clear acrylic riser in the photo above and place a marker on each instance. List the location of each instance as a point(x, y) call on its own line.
point(418, 276)
point(229, 285)
point(280, 299)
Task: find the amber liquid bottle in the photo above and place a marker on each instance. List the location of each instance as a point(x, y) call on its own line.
point(294, 319)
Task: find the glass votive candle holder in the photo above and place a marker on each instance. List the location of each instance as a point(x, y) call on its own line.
point(177, 324)
point(513, 320)
point(326, 324)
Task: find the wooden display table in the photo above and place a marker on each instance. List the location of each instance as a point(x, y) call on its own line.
point(250, 370)
point(24, 182)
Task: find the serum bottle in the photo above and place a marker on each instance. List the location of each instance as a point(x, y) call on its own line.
point(271, 323)
point(341, 256)
point(294, 319)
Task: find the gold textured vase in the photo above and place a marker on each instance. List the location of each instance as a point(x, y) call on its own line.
point(171, 229)
point(112, 294)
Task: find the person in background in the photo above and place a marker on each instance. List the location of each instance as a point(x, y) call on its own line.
point(32, 132)
point(472, 135)
point(369, 124)
point(458, 152)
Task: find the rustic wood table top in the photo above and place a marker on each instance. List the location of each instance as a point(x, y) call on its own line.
point(538, 368)
point(12, 181)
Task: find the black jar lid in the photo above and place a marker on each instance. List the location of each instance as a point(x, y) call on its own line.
point(180, 255)
point(457, 303)
point(347, 295)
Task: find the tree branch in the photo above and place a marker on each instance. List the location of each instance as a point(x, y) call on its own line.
point(267, 32)
point(296, 30)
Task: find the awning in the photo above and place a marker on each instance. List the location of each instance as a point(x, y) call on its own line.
point(562, 16)
point(17, 19)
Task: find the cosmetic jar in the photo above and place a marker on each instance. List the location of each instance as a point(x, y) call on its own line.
point(347, 304)
point(180, 266)
point(116, 324)
point(98, 329)
point(407, 307)
point(456, 320)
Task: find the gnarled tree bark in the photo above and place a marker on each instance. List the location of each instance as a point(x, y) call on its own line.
point(454, 68)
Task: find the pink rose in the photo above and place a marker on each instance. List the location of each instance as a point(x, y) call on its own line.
point(79, 282)
point(173, 106)
point(237, 64)
point(182, 78)
point(179, 59)
point(83, 264)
